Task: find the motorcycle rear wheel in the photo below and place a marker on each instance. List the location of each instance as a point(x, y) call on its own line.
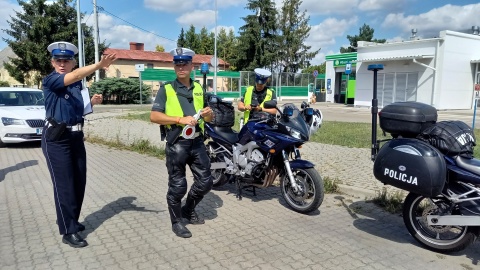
point(310, 196)
point(441, 238)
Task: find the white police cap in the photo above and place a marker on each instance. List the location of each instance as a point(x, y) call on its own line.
point(62, 50)
point(262, 75)
point(182, 55)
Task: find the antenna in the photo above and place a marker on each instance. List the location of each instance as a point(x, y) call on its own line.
point(476, 30)
point(414, 33)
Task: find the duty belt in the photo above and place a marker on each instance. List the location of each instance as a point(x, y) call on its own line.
point(76, 127)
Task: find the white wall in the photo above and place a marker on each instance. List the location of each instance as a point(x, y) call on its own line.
point(330, 74)
point(455, 83)
point(364, 90)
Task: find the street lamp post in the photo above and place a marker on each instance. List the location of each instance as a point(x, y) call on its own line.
point(215, 54)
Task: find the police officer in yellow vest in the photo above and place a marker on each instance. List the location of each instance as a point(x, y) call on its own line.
point(174, 107)
point(257, 95)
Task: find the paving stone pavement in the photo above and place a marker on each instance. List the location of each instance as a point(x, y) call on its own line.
point(127, 223)
point(352, 167)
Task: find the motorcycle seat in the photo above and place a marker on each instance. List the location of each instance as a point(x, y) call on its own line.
point(227, 133)
point(471, 165)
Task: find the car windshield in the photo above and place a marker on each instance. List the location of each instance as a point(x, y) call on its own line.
point(21, 98)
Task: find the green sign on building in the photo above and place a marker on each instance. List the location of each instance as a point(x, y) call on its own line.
point(340, 60)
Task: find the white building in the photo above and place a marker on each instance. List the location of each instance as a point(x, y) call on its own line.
point(442, 71)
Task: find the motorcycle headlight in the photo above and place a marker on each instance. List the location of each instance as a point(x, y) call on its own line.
point(294, 133)
point(12, 121)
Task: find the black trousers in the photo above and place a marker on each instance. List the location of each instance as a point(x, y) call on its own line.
point(67, 163)
point(193, 153)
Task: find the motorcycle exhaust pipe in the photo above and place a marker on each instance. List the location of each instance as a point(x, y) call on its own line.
point(453, 220)
point(218, 165)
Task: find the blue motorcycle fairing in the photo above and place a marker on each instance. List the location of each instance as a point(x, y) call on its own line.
point(301, 164)
point(457, 173)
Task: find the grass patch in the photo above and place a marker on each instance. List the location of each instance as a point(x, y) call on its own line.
point(355, 135)
point(331, 185)
point(141, 146)
point(392, 202)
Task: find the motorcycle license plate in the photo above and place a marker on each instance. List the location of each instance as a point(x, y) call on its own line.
point(39, 131)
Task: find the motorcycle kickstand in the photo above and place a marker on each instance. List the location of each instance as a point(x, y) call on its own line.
point(239, 188)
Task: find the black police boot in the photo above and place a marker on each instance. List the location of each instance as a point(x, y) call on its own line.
point(180, 230)
point(74, 240)
point(189, 213)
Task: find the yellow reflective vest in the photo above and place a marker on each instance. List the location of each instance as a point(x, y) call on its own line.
point(248, 100)
point(173, 107)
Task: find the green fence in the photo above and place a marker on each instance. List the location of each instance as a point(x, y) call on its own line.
point(289, 84)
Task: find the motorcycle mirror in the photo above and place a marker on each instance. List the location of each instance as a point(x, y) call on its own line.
point(304, 105)
point(271, 104)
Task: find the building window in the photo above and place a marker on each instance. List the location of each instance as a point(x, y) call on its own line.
point(149, 65)
point(396, 87)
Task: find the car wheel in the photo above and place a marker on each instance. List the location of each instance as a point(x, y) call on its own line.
point(2, 144)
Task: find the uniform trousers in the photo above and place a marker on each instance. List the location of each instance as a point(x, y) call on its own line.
point(67, 163)
point(184, 152)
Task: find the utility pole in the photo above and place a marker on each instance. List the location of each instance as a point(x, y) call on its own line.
point(81, 51)
point(95, 27)
point(80, 36)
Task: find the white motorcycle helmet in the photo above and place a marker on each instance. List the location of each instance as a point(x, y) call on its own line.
point(316, 121)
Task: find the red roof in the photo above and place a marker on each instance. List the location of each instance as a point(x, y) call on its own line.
point(158, 56)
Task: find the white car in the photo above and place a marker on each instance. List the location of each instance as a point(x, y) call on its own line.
point(22, 115)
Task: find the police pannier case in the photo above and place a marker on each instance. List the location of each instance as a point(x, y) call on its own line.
point(411, 165)
point(407, 119)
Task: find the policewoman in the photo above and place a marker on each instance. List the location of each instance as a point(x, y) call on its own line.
point(62, 139)
point(175, 105)
point(257, 95)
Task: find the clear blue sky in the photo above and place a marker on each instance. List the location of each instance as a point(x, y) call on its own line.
point(161, 20)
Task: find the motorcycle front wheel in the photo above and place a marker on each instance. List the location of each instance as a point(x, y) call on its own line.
point(440, 238)
point(309, 197)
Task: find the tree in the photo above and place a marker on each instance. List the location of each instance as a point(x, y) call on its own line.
point(181, 39)
point(191, 39)
point(121, 90)
point(4, 84)
point(256, 45)
point(159, 48)
point(294, 29)
point(320, 68)
point(365, 34)
point(33, 29)
point(206, 42)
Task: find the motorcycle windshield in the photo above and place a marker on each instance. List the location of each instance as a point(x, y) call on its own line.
point(296, 122)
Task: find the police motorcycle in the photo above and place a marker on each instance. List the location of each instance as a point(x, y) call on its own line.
point(313, 117)
point(265, 148)
point(432, 161)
